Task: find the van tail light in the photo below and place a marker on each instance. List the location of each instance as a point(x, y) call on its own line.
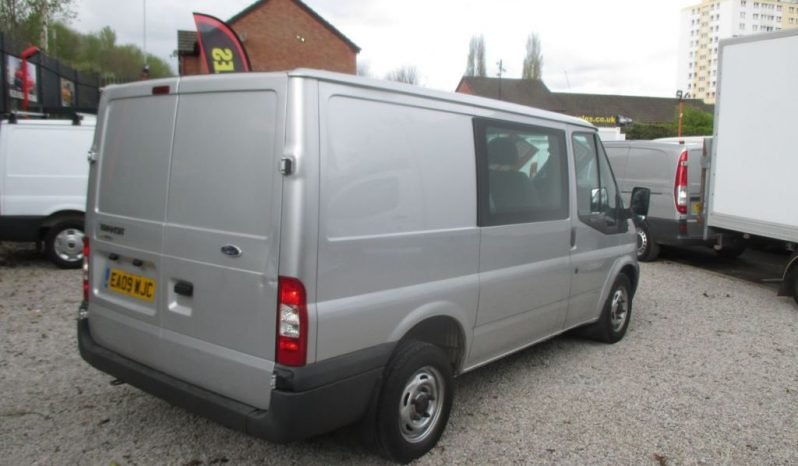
point(86, 251)
point(680, 185)
point(292, 323)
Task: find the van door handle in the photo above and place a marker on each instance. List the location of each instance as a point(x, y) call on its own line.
point(573, 236)
point(184, 289)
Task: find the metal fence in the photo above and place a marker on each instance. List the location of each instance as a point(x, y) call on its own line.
point(54, 88)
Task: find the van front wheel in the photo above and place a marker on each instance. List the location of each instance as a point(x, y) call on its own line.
point(611, 326)
point(63, 244)
point(414, 402)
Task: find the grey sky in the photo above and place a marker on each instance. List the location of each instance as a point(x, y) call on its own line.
point(611, 46)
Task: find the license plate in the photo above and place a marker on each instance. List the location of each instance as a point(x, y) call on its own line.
point(129, 284)
point(696, 207)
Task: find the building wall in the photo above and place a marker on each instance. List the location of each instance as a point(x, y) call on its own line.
point(703, 26)
point(190, 64)
point(279, 35)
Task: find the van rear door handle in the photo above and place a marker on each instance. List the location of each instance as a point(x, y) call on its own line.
point(573, 236)
point(184, 288)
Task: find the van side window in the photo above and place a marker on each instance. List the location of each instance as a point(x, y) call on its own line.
point(522, 173)
point(597, 199)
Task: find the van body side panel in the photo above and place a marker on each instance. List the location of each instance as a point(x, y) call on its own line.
point(524, 284)
point(44, 168)
point(398, 239)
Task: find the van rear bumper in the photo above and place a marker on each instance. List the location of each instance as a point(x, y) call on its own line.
point(291, 415)
point(677, 232)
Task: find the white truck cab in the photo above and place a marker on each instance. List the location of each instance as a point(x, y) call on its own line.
point(43, 176)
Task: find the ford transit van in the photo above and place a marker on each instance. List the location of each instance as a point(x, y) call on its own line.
point(289, 253)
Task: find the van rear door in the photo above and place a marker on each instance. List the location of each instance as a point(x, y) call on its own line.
point(192, 179)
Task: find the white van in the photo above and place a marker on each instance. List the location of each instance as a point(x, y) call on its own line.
point(43, 176)
point(289, 253)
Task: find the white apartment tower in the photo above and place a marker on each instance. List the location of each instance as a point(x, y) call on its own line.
point(703, 25)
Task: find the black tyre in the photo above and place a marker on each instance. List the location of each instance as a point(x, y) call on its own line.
point(647, 247)
point(611, 326)
point(415, 401)
point(63, 243)
point(731, 251)
point(793, 285)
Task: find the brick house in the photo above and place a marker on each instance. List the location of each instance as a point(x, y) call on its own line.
point(279, 35)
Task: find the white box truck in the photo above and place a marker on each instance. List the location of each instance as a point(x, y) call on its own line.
point(752, 159)
point(43, 176)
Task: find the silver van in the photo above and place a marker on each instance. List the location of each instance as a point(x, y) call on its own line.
point(289, 253)
point(672, 172)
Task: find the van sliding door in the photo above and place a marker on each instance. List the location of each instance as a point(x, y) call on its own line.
point(524, 248)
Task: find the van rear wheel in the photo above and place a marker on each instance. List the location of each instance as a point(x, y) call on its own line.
point(647, 248)
point(415, 401)
point(63, 244)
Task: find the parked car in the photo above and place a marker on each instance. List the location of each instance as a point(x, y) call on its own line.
point(43, 176)
point(289, 253)
point(672, 172)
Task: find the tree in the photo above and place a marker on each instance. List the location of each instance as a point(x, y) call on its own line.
point(476, 57)
point(694, 123)
point(405, 74)
point(28, 20)
point(533, 62)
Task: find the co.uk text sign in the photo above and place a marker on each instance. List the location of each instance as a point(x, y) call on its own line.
point(220, 48)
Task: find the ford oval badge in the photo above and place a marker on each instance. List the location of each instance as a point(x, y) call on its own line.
point(231, 250)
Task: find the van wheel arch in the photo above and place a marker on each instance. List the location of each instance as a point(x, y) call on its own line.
point(633, 277)
point(444, 332)
point(58, 217)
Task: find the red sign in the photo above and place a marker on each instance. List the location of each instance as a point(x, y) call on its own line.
point(220, 48)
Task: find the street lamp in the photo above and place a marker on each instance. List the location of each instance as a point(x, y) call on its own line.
point(501, 70)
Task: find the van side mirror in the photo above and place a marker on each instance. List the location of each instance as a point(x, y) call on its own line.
point(640, 200)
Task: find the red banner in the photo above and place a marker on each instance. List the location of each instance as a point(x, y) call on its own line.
point(220, 48)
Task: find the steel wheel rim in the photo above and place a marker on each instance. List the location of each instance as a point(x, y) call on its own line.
point(68, 245)
point(642, 241)
point(619, 309)
point(421, 404)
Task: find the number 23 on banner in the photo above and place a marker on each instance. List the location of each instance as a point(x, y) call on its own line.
point(222, 60)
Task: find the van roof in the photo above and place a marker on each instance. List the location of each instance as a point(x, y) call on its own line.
point(438, 95)
point(359, 81)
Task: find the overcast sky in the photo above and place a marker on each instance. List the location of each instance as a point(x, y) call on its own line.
point(592, 46)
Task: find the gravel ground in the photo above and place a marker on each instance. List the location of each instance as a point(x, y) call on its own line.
point(706, 375)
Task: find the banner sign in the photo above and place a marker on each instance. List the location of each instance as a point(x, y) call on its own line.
point(220, 49)
point(14, 79)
